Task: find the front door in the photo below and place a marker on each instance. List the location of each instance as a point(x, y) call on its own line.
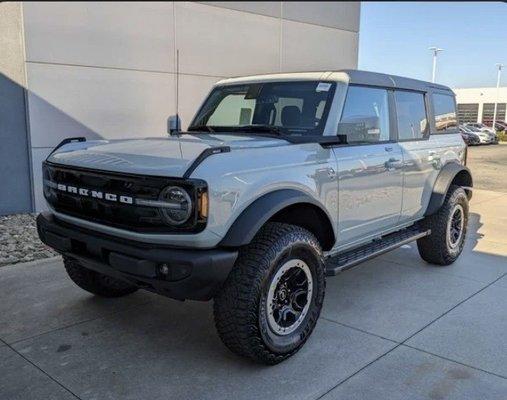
point(370, 167)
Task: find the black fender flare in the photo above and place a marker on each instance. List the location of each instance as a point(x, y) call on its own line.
point(253, 217)
point(443, 182)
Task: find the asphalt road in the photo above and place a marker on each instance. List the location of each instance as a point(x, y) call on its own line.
point(489, 166)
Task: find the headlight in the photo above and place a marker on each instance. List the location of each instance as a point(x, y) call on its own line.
point(175, 205)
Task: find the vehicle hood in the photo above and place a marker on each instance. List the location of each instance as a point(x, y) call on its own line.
point(170, 156)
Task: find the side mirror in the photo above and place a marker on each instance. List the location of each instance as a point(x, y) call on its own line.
point(173, 124)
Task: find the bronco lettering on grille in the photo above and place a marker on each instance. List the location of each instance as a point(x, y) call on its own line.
point(95, 194)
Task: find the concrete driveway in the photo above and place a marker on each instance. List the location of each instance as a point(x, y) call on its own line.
point(391, 328)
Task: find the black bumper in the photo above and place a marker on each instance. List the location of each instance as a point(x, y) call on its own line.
point(192, 274)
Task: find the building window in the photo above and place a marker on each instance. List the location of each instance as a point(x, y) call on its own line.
point(468, 113)
point(365, 117)
point(444, 110)
point(488, 110)
point(411, 115)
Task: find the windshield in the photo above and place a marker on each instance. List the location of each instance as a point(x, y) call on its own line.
point(292, 108)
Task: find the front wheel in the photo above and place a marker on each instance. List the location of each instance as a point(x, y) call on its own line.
point(272, 298)
point(448, 229)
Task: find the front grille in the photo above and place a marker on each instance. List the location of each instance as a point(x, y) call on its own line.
point(123, 215)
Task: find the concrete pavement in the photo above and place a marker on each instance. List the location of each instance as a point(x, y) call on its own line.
point(391, 328)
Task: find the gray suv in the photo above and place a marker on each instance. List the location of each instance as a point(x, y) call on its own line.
point(279, 181)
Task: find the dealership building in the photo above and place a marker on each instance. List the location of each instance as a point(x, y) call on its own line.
point(108, 70)
point(478, 104)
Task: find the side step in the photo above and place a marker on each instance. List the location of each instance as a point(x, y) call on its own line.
point(340, 262)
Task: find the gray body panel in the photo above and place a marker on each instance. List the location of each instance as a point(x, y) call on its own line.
point(366, 190)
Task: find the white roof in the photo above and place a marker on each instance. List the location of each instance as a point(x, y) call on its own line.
point(287, 76)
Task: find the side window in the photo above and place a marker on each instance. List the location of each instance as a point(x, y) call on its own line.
point(444, 110)
point(365, 116)
point(411, 115)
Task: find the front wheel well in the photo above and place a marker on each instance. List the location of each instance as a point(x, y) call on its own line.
point(311, 218)
point(464, 179)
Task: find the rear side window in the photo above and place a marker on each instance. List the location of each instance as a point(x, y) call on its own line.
point(365, 117)
point(444, 109)
point(411, 115)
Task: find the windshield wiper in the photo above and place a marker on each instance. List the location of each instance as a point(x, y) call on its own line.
point(200, 128)
point(259, 128)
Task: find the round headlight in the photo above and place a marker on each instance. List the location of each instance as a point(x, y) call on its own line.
point(177, 205)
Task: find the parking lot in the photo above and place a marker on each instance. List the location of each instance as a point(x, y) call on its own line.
point(391, 328)
point(489, 164)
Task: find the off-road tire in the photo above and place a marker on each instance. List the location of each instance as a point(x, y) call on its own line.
point(240, 308)
point(435, 248)
point(96, 283)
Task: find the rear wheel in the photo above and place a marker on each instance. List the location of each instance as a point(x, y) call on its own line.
point(448, 229)
point(96, 283)
point(272, 298)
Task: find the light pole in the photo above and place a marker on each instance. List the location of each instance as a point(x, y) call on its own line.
point(435, 51)
point(499, 66)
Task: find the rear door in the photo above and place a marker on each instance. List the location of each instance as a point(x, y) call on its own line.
point(420, 156)
point(369, 166)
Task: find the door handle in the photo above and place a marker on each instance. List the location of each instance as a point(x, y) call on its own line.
point(393, 163)
point(389, 148)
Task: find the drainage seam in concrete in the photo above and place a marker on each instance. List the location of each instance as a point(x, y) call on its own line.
point(44, 372)
point(360, 330)
point(454, 361)
point(77, 323)
point(441, 270)
point(411, 336)
point(412, 347)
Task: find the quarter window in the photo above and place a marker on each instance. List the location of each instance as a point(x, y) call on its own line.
point(445, 113)
point(411, 115)
point(365, 117)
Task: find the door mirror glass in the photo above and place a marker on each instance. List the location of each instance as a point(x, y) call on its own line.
point(173, 124)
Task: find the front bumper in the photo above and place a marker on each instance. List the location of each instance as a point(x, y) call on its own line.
point(192, 273)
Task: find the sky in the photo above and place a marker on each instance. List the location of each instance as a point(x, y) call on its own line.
point(394, 38)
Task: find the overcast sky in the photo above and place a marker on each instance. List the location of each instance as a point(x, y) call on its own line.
point(395, 36)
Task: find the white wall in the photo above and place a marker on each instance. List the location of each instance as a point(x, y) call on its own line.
point(107, 70)
point(480, 96)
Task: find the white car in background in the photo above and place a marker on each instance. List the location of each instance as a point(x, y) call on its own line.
point(481, 127)
point(485, 137)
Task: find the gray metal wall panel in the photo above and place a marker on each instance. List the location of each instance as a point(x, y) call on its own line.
point(269, 8)
point(335, 14)
point(15, 194)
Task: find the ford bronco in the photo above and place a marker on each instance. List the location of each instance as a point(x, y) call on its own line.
point(279, 181)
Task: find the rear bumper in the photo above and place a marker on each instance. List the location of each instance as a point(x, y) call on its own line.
point(192, 273)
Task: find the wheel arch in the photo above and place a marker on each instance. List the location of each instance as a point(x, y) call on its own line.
point(451, 174)
point(286, 205)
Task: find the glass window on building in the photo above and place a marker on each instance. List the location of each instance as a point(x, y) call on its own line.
point(468, 113)
point(488, 110)
point(444, 109)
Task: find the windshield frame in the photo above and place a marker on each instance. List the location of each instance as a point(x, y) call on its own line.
point(276, 130)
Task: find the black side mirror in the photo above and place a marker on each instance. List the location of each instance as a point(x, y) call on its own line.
point(173, 124)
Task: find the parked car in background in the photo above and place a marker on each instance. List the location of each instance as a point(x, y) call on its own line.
point(499, 125)
point(481, 127)
point(470, 138)
point(484, 137)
